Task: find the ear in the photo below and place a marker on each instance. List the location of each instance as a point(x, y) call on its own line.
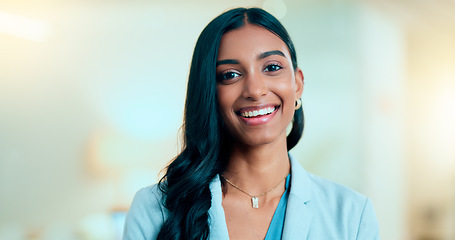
point(298, 82)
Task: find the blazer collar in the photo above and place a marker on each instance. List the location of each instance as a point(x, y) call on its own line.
point(300, 181)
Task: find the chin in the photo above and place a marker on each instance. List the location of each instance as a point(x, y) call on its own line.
point(258, 140)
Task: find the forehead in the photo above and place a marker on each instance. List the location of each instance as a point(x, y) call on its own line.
point(249, 40)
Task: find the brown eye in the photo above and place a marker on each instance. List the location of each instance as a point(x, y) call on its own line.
point(272, 68)
point(228, 75)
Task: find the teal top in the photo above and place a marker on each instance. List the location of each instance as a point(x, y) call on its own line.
point(276, 225)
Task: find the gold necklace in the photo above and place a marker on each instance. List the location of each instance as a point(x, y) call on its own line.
point(254, 198)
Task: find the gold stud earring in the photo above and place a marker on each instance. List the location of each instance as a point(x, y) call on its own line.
point(298, 103)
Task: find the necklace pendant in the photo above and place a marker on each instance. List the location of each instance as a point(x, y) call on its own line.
point(255, 202)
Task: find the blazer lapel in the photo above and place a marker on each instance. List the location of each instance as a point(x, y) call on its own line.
point(299, 211)
point(217, 221)
point(298, 219)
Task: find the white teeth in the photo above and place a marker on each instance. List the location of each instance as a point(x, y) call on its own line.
point(255, 113)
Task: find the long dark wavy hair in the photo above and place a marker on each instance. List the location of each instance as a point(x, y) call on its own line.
point(206, 142)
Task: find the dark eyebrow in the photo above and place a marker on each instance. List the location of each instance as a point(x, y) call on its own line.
point(270, 53)
point(261, 56)
point(227, 61)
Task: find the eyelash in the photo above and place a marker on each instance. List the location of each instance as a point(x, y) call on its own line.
point(224, 76)
point(275, 65)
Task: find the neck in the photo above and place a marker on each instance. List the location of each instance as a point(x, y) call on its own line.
point(257, 168)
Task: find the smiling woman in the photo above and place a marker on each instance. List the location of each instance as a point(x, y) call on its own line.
point(257, 85)
point(234, 178)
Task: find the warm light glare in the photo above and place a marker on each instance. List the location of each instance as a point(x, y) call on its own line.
point(445, 107)
point(22, 27)
point(442, 128)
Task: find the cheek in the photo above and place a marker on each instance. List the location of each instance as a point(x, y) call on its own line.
point(221, 98)
point(228, 94)
point(225, 101)
point(286, 89)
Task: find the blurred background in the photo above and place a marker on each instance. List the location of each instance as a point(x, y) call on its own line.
point(92, 93)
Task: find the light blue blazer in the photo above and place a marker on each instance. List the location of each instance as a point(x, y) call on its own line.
point(317, 209)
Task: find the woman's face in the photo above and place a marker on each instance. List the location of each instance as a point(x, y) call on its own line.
point(257, 85)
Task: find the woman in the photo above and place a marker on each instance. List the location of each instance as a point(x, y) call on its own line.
point(234, 178)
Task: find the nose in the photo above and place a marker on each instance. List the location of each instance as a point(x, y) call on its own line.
point(255, 87)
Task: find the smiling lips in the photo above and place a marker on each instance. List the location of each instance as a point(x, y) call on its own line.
point(257, 116)
point(255, 113)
